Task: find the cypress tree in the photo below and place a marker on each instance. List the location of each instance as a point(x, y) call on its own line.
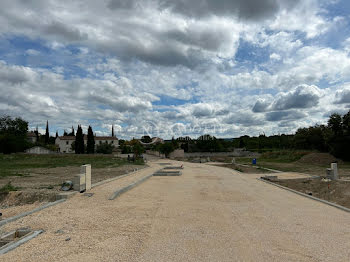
point(77, 146)
point(82, 146)
point(37, 134)
point(90, 149)
point(79, 141)
point(47, 136)
point(56, 134)
point(112, 130)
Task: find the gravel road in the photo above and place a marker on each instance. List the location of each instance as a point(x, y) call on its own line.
point(208, 214)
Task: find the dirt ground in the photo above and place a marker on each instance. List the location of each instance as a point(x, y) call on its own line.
point(209, 213)
point(43, 184)
point(244, 169)
point(334, 191)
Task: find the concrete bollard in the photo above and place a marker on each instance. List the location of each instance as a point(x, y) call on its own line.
point(334, 167)
point(332, 173)
point(79, 183)
point(86, 169)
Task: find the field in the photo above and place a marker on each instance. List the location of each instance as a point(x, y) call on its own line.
point(298, 161)
point(39, 177)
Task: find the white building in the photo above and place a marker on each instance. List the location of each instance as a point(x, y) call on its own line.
point(31, 137)
point(39, 150)
point(64, 143)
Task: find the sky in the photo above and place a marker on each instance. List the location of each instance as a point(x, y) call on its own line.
point(175, 68)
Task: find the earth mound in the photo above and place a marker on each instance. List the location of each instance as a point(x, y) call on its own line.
point(318, 159)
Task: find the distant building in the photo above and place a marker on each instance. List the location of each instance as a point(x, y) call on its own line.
point(39, 150)
point(32, 137)
point(64, 143)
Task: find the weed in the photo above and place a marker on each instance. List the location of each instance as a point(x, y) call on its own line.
point(8, 187)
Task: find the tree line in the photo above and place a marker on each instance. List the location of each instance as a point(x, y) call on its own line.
point(333, 137)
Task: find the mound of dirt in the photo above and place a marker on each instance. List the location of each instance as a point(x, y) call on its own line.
point(318, 159)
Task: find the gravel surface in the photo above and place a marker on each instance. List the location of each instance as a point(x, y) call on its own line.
point(207, 214)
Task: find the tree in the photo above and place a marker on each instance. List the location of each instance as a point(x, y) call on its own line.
point(346, 123)
point(166, 149)
point(335, 123)
point(37, 134)
point(104, 148)
point(79, 141)
point(90, 148)
point(13, 135)
point(112, 130)
point(47, 135)
point(72, 133)
point(56, 134)
point(138, 150)
point(146, 139)
point(174, 142)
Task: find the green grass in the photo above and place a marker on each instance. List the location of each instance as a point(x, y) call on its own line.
point(286, 161)
point(284, 156)
point(238, 169)
point(16, 164)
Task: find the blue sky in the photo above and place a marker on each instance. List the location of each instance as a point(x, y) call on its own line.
point(173, 67)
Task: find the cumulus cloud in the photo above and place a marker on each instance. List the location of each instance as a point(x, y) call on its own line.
point(343, 96)
point(261, 106)
point(244, 9)
point(41, 94)
point(284, 115)
point(244, 118)
point(202, 110)
point(302, 96)
point(120, 61)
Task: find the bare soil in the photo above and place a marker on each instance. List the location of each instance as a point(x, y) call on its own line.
point(245, 169)
point(334, 191)
point(207, 214)
point(318, 159)
point(43, 184)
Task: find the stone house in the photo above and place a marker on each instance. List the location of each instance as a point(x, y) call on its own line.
point(64, 143)
point(31, 137)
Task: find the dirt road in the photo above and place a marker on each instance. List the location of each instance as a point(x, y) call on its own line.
point(207, 214)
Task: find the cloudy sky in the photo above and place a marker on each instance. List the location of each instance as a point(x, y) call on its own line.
point(175, 67)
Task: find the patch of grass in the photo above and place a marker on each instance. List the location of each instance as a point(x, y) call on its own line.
point(14, 164)
point(285, 161)
point(238, 169)
point(8, 187)
point(283, 156)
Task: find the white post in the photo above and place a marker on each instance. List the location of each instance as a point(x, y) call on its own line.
point(86, 169)
point(334, 167)
point(79, 182)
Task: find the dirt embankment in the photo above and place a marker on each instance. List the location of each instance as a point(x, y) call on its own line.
point(244, 169)
point(334, 191)
point(318, 159)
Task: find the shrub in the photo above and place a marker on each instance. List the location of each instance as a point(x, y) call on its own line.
point(104, 148)
point(8, 187)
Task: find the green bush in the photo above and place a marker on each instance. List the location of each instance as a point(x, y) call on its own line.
point(104, 148)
